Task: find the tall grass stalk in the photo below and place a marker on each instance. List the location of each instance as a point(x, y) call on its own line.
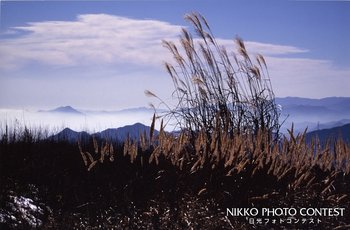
point(214, 87)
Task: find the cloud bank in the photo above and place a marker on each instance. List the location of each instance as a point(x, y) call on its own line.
point(116, 42)
point(101, 38)
point(92, 38)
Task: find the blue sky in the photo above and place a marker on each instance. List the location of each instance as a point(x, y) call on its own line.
point(103, 55)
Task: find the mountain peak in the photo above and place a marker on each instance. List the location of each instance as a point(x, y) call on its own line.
point(111, 134)
point(63, 109)
point(70, 135)
point(66, 109)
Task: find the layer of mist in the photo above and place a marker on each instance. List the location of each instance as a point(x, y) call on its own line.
point(90, 121)
point(313, 114)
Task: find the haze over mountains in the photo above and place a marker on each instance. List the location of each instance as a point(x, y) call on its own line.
point(64, 110)
point(76, 119)
point(314, 114)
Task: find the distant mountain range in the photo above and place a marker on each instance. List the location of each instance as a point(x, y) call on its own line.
point(314, 114)
point(134, 131)
point(331, 109)
point(120, 134)
point(112, 134)
point(328, 101)
point(332, 134)
point(70, 135)
point(326, 107)
point(63, 110)
point(70, 110)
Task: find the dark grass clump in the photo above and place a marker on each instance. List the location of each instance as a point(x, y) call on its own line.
point(163, 186)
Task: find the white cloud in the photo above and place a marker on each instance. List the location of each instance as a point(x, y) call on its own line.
point(92, 38)
point(101, 39)
point(272, 49)
point(263, 48)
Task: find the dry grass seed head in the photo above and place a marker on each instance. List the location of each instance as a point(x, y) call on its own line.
point(95, 144)
point(92, 165)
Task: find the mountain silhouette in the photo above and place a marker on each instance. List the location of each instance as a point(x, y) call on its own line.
point(332, 134)
point(112, 134)
point(70, 135)
point(64, 110)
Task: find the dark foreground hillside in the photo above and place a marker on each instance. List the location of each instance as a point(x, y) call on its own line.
point(172, 182)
